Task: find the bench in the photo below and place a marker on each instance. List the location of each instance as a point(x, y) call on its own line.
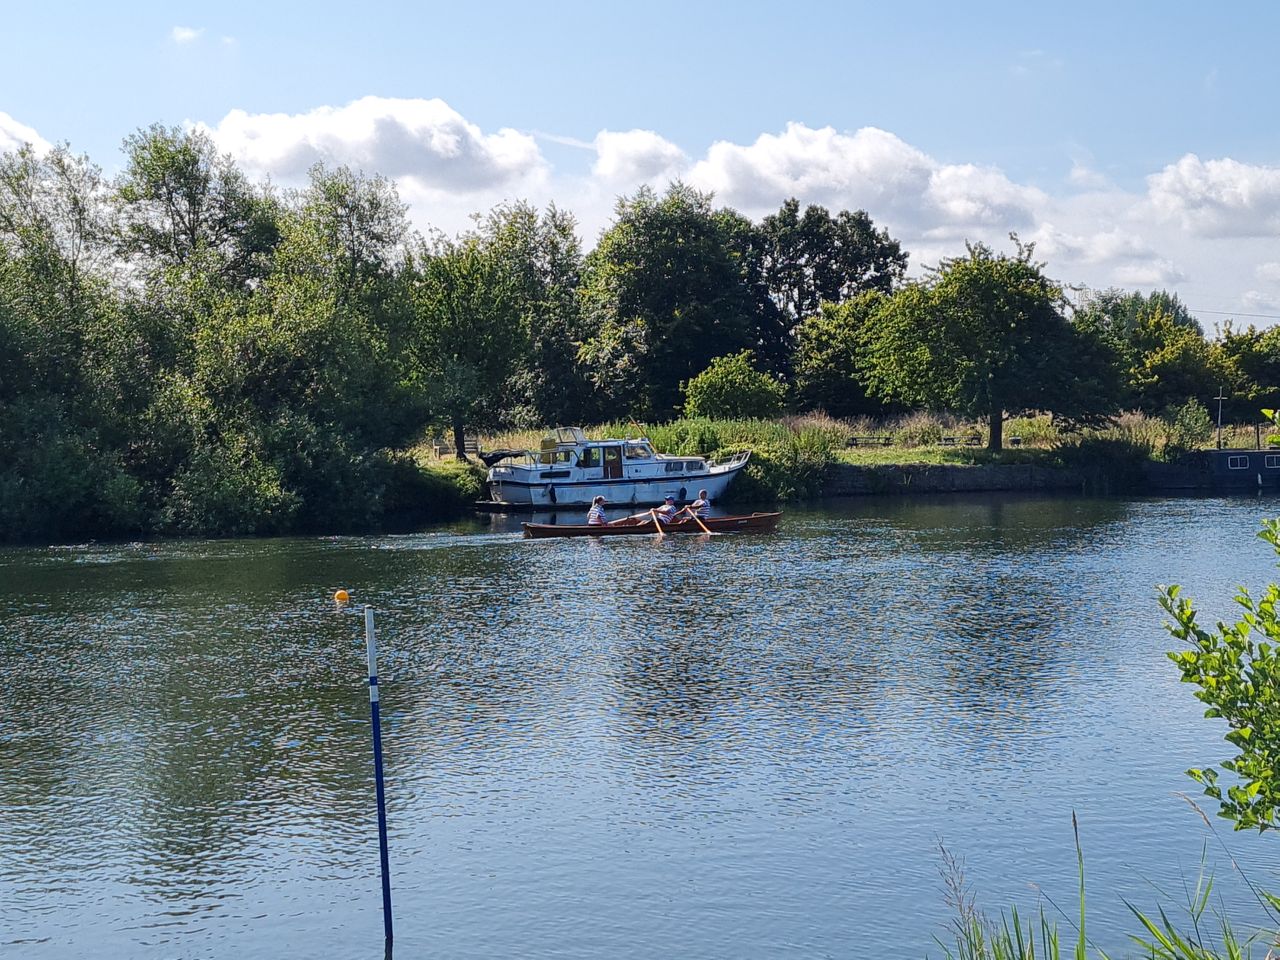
point(956, 441)
point(869, 441)
point(444, 448)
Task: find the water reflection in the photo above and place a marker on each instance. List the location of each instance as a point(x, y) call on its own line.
point(733, 735)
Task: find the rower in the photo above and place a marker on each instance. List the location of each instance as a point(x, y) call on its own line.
point(667, 512)
point(595, 517)
point(702, 506)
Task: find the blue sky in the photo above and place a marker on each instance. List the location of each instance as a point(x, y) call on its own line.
point(1135, 142)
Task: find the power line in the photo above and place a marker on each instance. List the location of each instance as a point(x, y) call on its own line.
point(1233, 313)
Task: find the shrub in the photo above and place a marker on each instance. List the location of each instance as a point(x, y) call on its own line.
point(1187, 427)
point(421, 490)
point(731, 387)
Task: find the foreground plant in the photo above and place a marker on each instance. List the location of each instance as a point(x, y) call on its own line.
point(1237, 669)
point(1202, 934)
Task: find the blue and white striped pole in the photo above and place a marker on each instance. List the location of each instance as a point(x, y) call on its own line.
point(371, 643)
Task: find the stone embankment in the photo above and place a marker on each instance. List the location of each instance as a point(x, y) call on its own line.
point(845, 480)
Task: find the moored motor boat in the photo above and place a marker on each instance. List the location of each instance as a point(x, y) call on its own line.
point(753, 522)
point(570, 470)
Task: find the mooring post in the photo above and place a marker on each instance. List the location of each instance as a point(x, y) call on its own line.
point(371, 644)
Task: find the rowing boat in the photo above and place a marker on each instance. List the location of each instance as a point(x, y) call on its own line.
point(758, 522)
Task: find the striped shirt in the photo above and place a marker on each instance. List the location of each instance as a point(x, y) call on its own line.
point(596, 515)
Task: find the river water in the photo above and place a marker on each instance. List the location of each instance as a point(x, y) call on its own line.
point(728, 747)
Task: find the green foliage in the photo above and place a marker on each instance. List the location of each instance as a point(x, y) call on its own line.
point(1236, 668)
point(466, 331)
point(787, 463)
point(1248, 364)
point(974, 936)
point(732, 388)
point(420, 490)
point(178, 202)
point(827, 374)
point(1189, 427)
point(813, 258)
point(984, 335)
point(666, 291)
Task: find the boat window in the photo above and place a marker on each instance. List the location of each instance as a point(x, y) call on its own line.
point(564, 456)
point(637, 451)
point(676, 467)
point(590, 457)
point(1237, 463)
point(1273, 461)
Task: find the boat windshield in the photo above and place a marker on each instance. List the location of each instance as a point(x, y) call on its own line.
point(568, 435)
point(638, 451)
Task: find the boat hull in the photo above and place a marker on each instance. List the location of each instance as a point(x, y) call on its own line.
point(531, 490)
point(755, 522)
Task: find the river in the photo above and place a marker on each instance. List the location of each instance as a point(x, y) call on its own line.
point(727, 747)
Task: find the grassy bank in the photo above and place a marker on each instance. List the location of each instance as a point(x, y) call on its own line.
point(792, 456)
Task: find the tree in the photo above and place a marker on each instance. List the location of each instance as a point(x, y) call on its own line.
point(1161, 346)
point(1170, 362)
point(983, 335)
point(828, 344)
point(467, 331)
point(1248, 364)
point(1236, 668)
point(731, 388)
point(813, 258)
point(543, 256)
point(1122, 311)
point(665, 293)
point(180, 203)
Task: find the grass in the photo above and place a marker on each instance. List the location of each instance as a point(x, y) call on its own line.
point(1198, 934)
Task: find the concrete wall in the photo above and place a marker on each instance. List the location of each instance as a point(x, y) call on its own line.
point(845, 480)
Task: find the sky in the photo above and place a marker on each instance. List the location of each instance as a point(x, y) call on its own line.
point(1136, 144)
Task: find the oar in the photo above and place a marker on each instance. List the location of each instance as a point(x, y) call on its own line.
point(705, 528)
point(657, 524)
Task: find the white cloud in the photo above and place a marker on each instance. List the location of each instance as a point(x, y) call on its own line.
point(425, 142)
point(636, 156)
point(14, 134)
point(1152, 273)
point(1114, 245)
point(1086, 178)
point(185, 34)
point(1089, 231)
point(870, 169)
point(1218, 198)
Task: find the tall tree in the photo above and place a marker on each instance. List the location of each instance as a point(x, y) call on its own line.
point(827, 364)
point(1248, 364)
point(812, 257)
point(983, 335)
point(665, 293)
point(467, 331)
point(543, 255)
point(180, 203)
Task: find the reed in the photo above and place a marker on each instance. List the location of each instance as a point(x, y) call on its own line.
point(1198, 933)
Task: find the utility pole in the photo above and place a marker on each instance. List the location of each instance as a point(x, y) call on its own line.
point(1220, 397)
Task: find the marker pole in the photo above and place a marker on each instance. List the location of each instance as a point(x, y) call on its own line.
point(371, 643)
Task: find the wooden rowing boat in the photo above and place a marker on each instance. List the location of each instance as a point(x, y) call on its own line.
point(757, 522)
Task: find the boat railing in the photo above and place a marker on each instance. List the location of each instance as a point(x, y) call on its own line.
point(733, 460)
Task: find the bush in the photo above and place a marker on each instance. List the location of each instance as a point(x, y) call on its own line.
point(732, 388)
point(1187, 427)
point(419, 490)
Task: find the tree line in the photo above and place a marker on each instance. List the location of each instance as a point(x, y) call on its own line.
point(190, 352)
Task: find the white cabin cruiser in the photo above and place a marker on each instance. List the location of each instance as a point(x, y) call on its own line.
point(570, 470)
